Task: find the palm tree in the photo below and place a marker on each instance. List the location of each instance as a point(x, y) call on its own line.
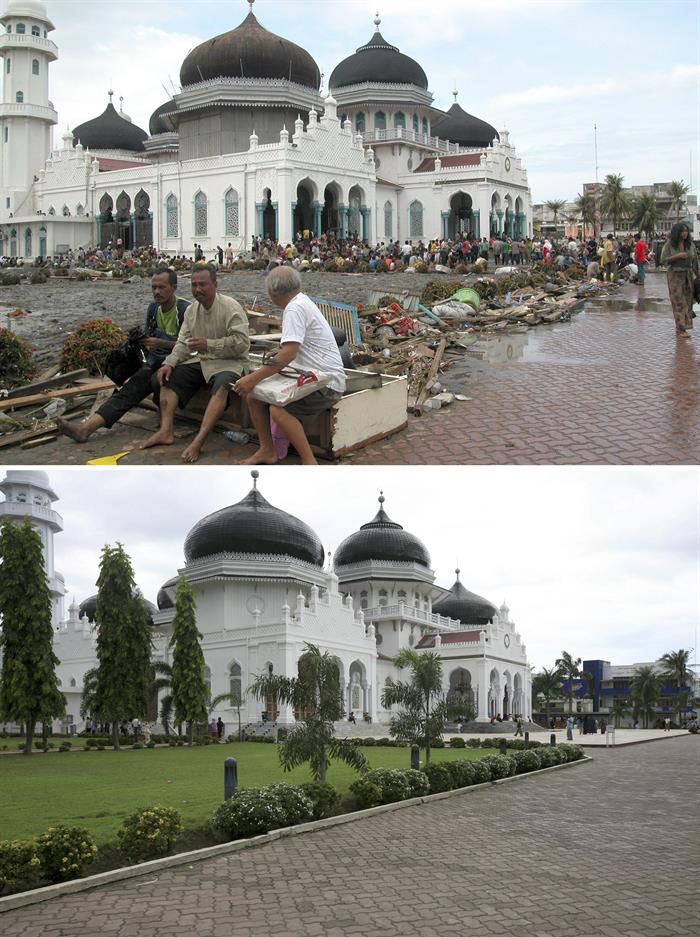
point(614, 201)
point(569, 669)
point(678, 191)
point(645, 213)
point(235, 700)
point(424, 712)
point(590, 682)
point(547, 683)
point(587, 209)
point(677, 672)
point(162, 683)
point(644, 692)
point(618, 711)
point(555, 205)
point(87, 701)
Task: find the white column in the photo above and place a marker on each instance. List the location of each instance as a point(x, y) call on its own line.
point(483, 702)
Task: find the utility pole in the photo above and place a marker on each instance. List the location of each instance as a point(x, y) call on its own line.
point(595, 144)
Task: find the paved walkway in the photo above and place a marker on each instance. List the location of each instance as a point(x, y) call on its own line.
point(622, 736)
point(606, 849)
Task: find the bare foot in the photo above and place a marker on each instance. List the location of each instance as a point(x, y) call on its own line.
point(161, 438)
point(261, 457)
point(74, 430)
point(191, 453)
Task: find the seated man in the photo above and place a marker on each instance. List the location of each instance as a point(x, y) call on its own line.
point(211, 351)
point(308, 343)
point(163, 320)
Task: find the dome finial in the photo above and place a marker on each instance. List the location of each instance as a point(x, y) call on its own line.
point(457, 572)
point(111, 95)
point(455, 92)
point(381, 498)
point(255, 475)
point(377, 19)
point(250, 4)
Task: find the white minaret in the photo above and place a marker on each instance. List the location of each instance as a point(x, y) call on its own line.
point(30, 493)
point(26, 114)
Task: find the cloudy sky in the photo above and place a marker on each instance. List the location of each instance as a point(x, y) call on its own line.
point(546, 69)
point(602, 563)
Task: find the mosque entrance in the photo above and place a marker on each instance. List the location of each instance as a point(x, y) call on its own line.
point(330, 221)
point(303, 211)
point(123, 222)
point(461, 220)
point(143, 220)
point(269, 217)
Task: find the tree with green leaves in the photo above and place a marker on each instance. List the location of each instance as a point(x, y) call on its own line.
point(569, 670)
point(645, 213)
point(547, 684)
point(679, 675)
point(188, 687)
point(87, 699)
point(588, 211)
point(124, 674)
point(28, 684)
point(234, 698)
point(555, 205)
point(619, 711)
point(645, 691)
point(615, 203)
point(162, 674)
point(678, 191)
point(590, 685)
point(317, 696)
point(424, 714)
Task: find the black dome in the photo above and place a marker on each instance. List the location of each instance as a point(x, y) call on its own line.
point(163, 600)
point(250, 51)
point(109, 131)
point(253, 526)
point(159, 122)
point(381, 539)
point(378, 62)
point(465, 606)
point(459, 127)
point(89, 608)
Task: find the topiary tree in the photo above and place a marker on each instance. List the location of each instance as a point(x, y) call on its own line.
point(188, 687)
point(424, 713)
point(28, 685)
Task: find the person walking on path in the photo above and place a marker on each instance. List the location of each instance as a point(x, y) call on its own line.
point(519, 726)
point(570, 729)
point(641, 255)
point(607, 259)
point(680, 258)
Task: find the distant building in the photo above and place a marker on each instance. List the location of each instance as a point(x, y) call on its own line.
point(668, 215)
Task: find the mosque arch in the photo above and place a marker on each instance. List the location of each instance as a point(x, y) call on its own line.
point(65, 211)
point(379, 120)
point(79, 210)
point(35, 66)
point(460, 693)
point(52, 210)
point(28, 242)
point(106, 207)
point(123, 207)
point(330, 215)
point(518, 701)
point(269, 216)
point(426, 126)
point(201, 214)
point(307, 195)
point(399, 120)
point(235, 682)
point(508, 220)
point(142, 205)
point(356, 201)
point(42, 242)
point(507, 698)
point(495, 218)
point(494, 693)
point(360, 122)
point(519, 217)
point(461, 217)
point(172, 224)
point(13, 242)
point(388, 219)
point(232, 224)
point(357, 684)
point(416, 124)
point(415, 219)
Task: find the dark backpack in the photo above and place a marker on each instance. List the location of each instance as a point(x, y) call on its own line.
point(123, 362)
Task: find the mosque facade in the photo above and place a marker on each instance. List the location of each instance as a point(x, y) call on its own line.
point(249, 146)
point(264, 588)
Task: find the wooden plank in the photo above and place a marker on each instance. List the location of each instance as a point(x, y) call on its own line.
point(47, 384)
point(34, 399)
point(430, 379)
point(41, 441)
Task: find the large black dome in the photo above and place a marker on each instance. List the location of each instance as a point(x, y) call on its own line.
point(89, 608)
point(459, 127)
point(465, 606)
point(250, 51)
point(380, 63)
point(109, 131)
point(163, 599)
point(381, 539)
point(253, 526)
point(160, 122)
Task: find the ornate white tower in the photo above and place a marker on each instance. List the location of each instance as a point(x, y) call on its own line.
point(26, 114)
point(29, 493)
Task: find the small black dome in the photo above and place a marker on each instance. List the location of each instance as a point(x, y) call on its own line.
point(253, 526)
point(163, 600)
point(465, 606)
point(250, 51)
point(109, 131)
point(459, 127)
point(381, 539)
point(378, 62)
point(89, 607)
point(159, 122)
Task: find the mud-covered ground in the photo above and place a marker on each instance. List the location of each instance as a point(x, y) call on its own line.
point(58, 306)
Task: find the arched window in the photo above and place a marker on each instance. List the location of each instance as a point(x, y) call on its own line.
point(415, 219)
point(72, 681)
point(19, 97)
point(28, 242)
point(35, 66)
point(382, 598)
point(9, 27)
point(65, 211)
point(232, 214)
point(52, 210)
point(79, 210)
point(200, 215)
point(360, 122)
point(401, 594)
point(416, 124)
point(36, 31)
point(171, 219)
point(399, 120)
point(20, 28)
point(380, 120)
point(426, 128)
point(388, 220)
point(235, 685)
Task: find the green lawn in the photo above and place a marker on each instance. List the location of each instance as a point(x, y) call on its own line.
point(97, 790)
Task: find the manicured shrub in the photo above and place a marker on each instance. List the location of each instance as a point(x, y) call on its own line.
point(137, 745)
point(89, 345)
point(392, 783)
point(149, 833)
point(439, 777)
point(297, 807)
point(17, 365)
point(571, 752)
point(457, 742)
point(250, 812)
point(383, 742)
point(150, 744)
point(366, 793)
point(437, 743)
point(324, 798)
point(461, 772)
point(482, 772)
point(418, 783)
point(500, 766)
point(550, 756)
point(64, 747)
point(473, 743)
point(369, 741)
point(19, 865)
point(526, 761)
point(64, 851)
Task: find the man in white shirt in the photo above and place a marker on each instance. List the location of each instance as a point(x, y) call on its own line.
point(308, 343)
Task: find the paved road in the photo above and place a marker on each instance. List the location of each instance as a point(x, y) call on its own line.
point(606, 849)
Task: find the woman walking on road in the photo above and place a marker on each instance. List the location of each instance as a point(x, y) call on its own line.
point(681, 258)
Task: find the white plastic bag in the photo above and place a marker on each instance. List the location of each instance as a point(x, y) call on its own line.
point(288, 386)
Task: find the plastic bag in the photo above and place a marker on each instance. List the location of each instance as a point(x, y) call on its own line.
point(288, 386)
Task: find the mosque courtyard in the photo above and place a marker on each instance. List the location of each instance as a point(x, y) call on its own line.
point(612, 386)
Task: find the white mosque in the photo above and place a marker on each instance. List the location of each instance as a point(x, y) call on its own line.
point(248, 146)
point(263, 589)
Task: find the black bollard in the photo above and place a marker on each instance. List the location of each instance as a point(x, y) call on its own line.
point(527, 740)
point(503, 746)
point(230, 777)
point(552, 740)
point(415, 757)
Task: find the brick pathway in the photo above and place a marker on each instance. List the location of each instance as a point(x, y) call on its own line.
point(608, 849)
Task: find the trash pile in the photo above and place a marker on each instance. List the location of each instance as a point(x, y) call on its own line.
point(421, 335)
